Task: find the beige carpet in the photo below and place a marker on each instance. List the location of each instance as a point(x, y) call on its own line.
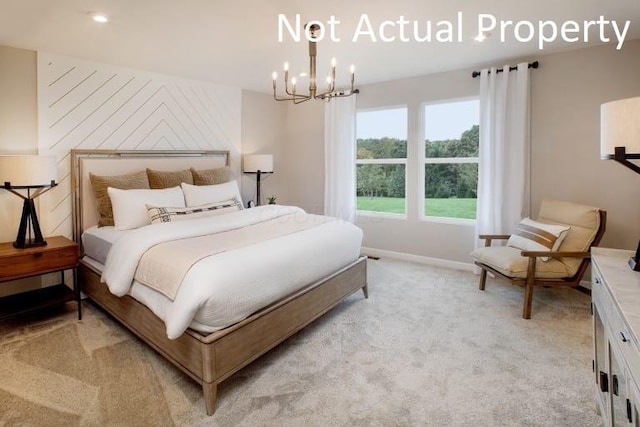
point(427, 349)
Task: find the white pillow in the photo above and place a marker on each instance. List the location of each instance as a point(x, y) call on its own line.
point(130, 206)
point(159, 215)
point(197, 195)
point(531, 235)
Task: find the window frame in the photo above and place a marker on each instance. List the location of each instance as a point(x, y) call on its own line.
point(423, 161)
point(385, 161)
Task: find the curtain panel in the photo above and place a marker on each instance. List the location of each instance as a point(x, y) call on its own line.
point(504, 165)
point(340, 158)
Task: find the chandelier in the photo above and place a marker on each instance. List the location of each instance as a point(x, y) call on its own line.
point(290, 84)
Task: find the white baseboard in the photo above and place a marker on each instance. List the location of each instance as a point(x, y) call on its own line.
point(437, 262)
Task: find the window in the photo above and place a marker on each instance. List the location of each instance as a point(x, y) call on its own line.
point(381, 137)
point(451, 159)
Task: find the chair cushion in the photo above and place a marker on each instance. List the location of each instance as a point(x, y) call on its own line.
point(508, 261)
point(584, 222)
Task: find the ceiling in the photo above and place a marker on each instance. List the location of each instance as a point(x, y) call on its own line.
point(235, 42)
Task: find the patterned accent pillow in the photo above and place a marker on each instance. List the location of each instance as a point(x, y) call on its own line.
point(211, 176)
point(531, 235)
point(168, 179)
point(136, 180)
point(158, 215)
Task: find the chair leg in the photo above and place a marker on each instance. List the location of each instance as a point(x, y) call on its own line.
point(528, 299)
point(483, 279)
point(528, 290)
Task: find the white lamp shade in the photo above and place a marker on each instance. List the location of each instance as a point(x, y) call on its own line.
point(258, 162)
point(620, 126)
point(28, 171)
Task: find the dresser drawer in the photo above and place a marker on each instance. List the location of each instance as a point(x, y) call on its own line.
point(29, 262)
point(618, 330)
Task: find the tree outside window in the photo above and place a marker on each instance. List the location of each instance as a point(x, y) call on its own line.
point(381, 160)
point(450, 161)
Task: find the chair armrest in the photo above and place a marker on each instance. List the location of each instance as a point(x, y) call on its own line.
point(494, 236)
point(489, 237)
point(538, 254)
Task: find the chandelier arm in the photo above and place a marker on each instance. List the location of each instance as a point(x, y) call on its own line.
point(300, 101)
point(339, 94)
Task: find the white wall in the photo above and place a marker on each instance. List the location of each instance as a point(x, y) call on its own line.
point(263, 132)
point(567, 91)
point(18, 135)
point(304, 133)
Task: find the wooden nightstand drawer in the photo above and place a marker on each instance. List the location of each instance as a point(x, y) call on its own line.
point(59, 254)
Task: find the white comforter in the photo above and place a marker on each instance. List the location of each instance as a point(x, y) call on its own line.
point(236, 283)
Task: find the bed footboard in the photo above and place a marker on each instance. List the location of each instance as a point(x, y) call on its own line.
point(210, 359)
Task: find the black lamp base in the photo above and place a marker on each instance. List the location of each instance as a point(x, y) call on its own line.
point(634, 262)
point(29, 224)
point(29, 244)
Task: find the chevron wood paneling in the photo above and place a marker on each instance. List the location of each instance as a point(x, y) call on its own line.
point(87, 105)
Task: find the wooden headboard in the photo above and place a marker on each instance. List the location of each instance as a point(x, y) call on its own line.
point(106, 162)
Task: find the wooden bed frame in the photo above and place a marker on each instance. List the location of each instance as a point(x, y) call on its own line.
point(210, 359)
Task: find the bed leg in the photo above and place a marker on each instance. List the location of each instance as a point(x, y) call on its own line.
point(210, 391)
point(365, 291)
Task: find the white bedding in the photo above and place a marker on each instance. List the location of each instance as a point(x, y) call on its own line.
point(223, 289)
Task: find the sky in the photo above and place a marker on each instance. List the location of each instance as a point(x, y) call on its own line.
point(442, 121)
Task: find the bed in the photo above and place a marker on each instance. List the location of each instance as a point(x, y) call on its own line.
point(209, 354)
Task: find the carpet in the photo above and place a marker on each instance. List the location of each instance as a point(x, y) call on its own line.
point(426, 349)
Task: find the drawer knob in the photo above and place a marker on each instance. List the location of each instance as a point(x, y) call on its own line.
point(597, 280)
point(623, 337)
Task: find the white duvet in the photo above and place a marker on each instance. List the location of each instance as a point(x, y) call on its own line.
point(225, 288)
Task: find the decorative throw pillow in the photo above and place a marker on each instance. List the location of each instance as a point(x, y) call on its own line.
point(211, 176)
point(158, 215)
point(531, 235)
point(168, 179)
point(100, 184)
point(130, 206)
point(196, 195)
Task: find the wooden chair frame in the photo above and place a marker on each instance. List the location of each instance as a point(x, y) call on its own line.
point(530, 281)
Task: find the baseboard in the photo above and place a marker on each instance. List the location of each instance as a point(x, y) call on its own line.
point(436, 262)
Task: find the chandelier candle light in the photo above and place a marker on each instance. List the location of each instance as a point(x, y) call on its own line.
point(331, 92)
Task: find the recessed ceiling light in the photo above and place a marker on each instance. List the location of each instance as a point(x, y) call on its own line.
point(303, 74)
point(481, 37)
point(100, 18)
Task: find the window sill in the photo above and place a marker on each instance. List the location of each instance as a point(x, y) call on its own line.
point(452, 221)
point(381, 215)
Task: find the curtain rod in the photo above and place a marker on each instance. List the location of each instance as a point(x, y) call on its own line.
point(533, 64)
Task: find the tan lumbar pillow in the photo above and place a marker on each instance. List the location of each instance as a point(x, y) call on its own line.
point(531, 235)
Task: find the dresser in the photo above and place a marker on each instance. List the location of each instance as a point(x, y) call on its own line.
point(616, 329)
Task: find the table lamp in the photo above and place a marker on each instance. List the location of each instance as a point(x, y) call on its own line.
point(620, 131)
point(36, 175)
point(258, 164)
point(620, 140)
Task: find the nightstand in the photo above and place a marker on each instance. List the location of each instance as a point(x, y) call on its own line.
point(58, 255)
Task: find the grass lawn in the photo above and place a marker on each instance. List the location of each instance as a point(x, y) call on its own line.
point(448, 208)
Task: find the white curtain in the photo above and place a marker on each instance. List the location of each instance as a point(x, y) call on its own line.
point(340, 158)
point(503, 170)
